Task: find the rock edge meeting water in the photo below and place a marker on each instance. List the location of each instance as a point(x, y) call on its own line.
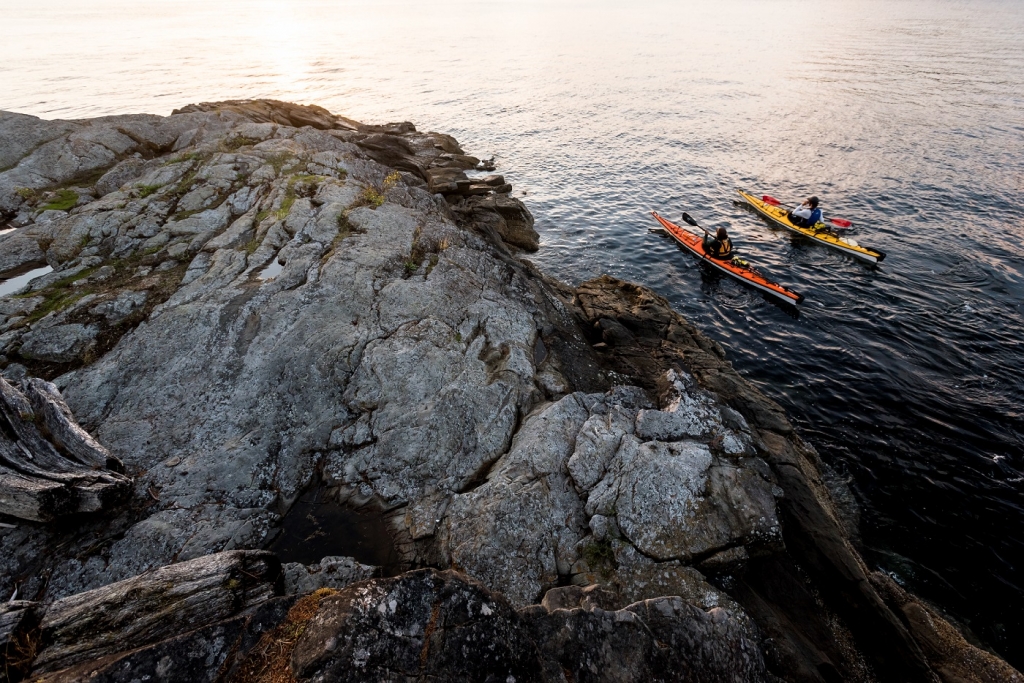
point(905, 117)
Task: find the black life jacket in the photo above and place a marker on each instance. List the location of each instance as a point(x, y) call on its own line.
point(716, 248)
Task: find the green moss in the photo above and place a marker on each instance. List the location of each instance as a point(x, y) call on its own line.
point(286, 205)
point(26, 193)
point(146, 190)
point(191, 156)
point(186, 181)
point(58, 296)
point(372, 197)
point(67, 292)
point(279, 160)
point(55, 301)
point(66, 282)
point(238, 142)
point(182, 215)
point(375, 195)
point(431, 263)
point(306, 179)
point(600, 556)
point(88, 179)
point(251, 246)
point(345, 229)
point(64, 200)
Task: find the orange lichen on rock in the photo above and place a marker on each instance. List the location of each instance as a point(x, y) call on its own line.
point(270, 661)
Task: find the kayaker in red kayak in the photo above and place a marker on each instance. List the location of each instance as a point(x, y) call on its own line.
point(719, 246)
point(807, 215)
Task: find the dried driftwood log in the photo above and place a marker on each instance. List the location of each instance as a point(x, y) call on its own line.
point(155, 606)
point(49, 466)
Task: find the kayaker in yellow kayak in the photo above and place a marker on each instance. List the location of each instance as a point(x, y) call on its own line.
point(807, 215)
point(719, 246)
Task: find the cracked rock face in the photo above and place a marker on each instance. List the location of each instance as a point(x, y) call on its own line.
point(429, 625)
point(581, 474)
point(392, 351)
point(252, 302)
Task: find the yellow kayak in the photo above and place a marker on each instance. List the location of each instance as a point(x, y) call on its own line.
point(819, 233)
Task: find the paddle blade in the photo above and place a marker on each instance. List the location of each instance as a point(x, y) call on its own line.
point(768, 199)
point(841, 222)
point(689, 219)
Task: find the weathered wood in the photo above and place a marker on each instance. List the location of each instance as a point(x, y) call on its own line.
point(50, 466)
point(201, 655)
point(155, 606)
point(33, 498)
point(58, 421)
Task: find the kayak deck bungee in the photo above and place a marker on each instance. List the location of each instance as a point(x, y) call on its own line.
point(695, 245)
point(822, 234)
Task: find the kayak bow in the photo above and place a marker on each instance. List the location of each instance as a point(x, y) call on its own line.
point(695, 245)
point(819, 233)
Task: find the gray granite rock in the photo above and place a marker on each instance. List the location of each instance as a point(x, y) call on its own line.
point(117, 309)
point(450, 629)
point(19, 252)
point(59, 343)
point(576, 476)
point(331, 572)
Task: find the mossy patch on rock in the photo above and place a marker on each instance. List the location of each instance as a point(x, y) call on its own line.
point(62, 201)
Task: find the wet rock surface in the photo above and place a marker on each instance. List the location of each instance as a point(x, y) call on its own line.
point(304, 333)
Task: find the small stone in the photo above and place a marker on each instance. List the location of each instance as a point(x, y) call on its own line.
point(178, 250)
point(15, 372)
point(116, 310)
point(475, 189)
point(47, 216)
point(563, 597)
point(104, 273)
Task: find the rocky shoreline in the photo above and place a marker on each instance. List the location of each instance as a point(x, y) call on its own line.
point(350, 433)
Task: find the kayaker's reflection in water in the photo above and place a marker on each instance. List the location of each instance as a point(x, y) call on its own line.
point(807, 215)
point(719, 246)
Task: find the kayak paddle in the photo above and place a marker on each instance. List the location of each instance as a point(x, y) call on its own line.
point(689, 219)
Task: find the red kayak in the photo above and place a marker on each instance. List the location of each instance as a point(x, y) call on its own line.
point(739, 270)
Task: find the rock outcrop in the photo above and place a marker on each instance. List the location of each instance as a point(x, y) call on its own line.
point(282, 319)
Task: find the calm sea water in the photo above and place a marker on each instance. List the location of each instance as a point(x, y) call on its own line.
point(905, 116)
